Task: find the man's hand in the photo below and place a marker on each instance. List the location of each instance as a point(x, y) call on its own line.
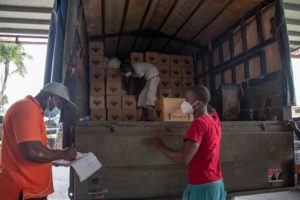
point(290, 124)
point(69, 154)
point(156, 142)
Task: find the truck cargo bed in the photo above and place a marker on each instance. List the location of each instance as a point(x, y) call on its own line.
point(132, 169)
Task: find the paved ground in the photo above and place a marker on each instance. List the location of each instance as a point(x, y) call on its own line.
point(61, 183)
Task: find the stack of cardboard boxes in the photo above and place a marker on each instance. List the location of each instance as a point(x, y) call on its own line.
point(119, 108)
point(106, 101)
point(97, 81)
point(176, 75)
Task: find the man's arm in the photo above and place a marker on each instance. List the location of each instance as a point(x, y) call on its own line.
point(183, 155)
point(293, 126)
point(36, 152)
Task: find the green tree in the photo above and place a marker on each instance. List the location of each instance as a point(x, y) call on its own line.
point(10, 53)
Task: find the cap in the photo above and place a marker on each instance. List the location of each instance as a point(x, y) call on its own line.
point(60, 90)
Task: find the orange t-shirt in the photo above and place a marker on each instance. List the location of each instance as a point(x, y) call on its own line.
point(23, 122)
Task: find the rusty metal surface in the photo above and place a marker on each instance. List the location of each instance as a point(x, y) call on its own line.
point(134, 170)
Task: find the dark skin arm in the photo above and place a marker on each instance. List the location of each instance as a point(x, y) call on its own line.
point(35, 151)
point(293, 126)
point(183, 155)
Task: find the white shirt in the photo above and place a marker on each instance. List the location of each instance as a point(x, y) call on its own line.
point(145, 69)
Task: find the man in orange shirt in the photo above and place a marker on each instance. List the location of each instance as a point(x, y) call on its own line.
point(26, 159)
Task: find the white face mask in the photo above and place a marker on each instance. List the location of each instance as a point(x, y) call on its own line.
point(127, 74)
point(186, 108)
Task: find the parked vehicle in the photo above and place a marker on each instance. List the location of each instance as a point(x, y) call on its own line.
point(241, 43)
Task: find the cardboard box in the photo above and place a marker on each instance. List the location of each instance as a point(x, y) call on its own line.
point(113, 88)
point(164, 59)
point(113, 75)
point(164, 93)
point(96, 62)
point(176, 83)
point(139, 114)
point(168, 109)
point(129, 102)
point(97, 88)
point(96, 48)
point(176, 72)
point(187, 83)
point(164, 71)
point(175, 60)
point(97, 102)
point(136, 57)
point(114, 114)
point(113, 102)
point(165, 82)
point(188, 72)
point(187, 61)
point(130, 115)
point(151, 57)
point(98, 114)
point(176, 93)
point(97, 76)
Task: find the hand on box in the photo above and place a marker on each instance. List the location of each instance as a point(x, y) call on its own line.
point(290, 124)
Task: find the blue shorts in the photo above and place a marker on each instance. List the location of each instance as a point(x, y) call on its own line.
point(208, 191)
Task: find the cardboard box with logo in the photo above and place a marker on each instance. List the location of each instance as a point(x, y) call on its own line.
point(176, 72)
point(114, 114)
point(113, 75)
point(168, 109)
point(96, 48)
point(98, 114)
point(164, 71)
point(129, 102)
point(129, 115)
point(97, 102)
point(187, 61)
point(164, 59)
point(187, 83)
point(151, 57)
point(164, 93)
point(177, 93)
point(97, 88)
point(175, 60)
point(136, 57)
point(176, 83)
point(113, 102)
point(96, 62)
point(164, 82)
point(113, 88)
point(188, 72)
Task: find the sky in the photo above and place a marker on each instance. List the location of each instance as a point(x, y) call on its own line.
point(18, 87)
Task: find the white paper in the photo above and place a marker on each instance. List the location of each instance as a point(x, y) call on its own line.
point(85, 164)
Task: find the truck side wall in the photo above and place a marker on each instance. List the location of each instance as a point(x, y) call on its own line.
point(246, 54)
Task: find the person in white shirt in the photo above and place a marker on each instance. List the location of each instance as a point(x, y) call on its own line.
point(148, 95)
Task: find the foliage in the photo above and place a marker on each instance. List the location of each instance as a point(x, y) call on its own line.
point(10, 53)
